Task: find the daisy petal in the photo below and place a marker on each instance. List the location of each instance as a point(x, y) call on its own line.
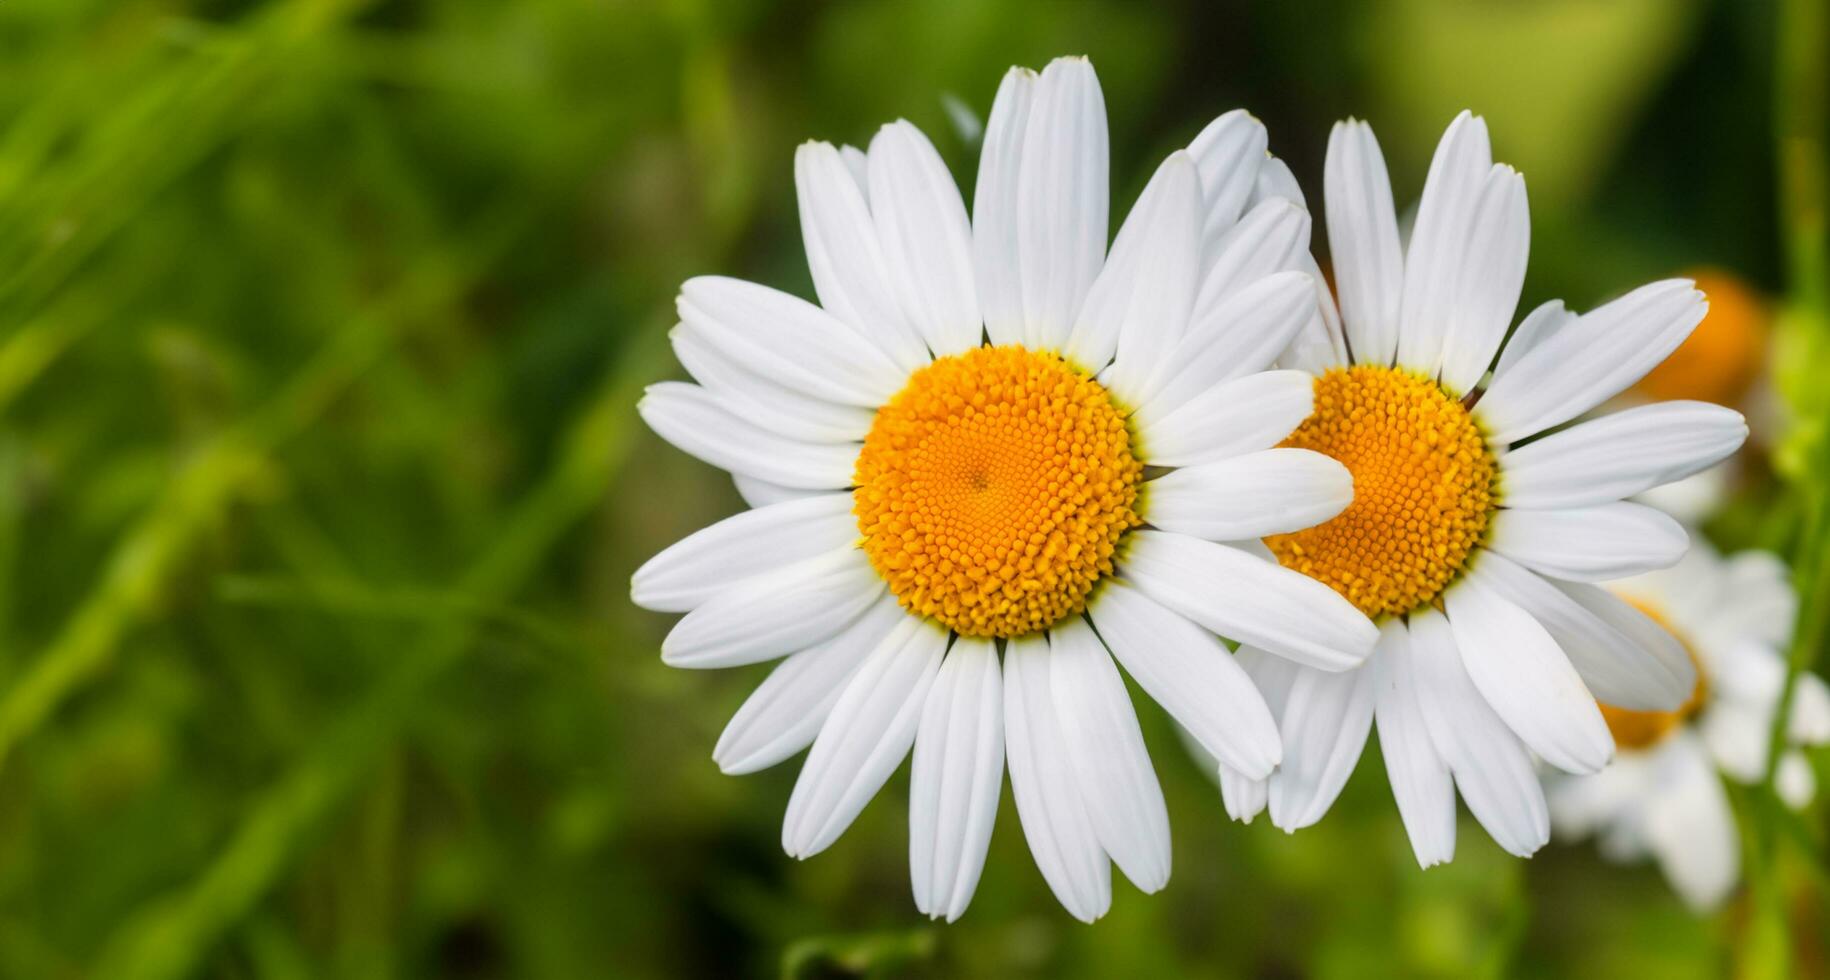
point(1591, 360)
point(850, 272)
point(1272, 491)
point(1324, 726)
point(693, 420)
point(1628, 664)
point(785, 712)
point(1050, 803)
point(1139, 305)
point(1230, 419)
point(1242, 335)
point(1538, 326)
point(956, 778)
point(1229, 153)
point(1692, 830)
point(927, 241)
point(1519, 669)
point(1491, 766)
point(1419, 775)
point(762, 493)
point(1272, 237)
point(1106, 746)
point(1250, 600)
point(1795, 781)
point(1590, 544)
point(865, 739)
point(1190, 673)
point(1622, 454)
point(789, 341)
point(994, 208)
point(1062, 194)
point(1439, 241)
point(774, 407)
point(704, 563)
point(1276, 181)
point(1243, 796)
point(780, 613)
point(1363, 238)
point(1492, 273)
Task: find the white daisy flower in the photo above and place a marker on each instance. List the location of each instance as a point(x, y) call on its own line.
point(1476, 531)
point(953, 538)
point(1661, 796)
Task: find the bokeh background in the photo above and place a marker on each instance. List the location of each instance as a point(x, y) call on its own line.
point(321, 328)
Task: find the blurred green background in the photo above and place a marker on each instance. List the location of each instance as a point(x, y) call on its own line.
point(321, 327)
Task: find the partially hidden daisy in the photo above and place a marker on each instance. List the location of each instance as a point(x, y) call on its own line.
point(1480, 522)
point(993, 460)
point(1662, 796)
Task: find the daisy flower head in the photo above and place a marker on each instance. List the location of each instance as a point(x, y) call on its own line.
point(995, 463)
point(1480, 522)
point(1662, 797)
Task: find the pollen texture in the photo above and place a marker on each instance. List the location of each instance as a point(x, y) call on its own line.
point(1644, 729)
point(1423, 489)
point(992, 490)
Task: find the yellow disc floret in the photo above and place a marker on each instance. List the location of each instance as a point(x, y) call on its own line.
point(992, 490)
point(1423, 489)
point(1644, 729)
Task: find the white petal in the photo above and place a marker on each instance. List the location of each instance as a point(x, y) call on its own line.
point(1276, 181)
point(1106, 747)
point(1491, 766)
point(1419, 775)
point(1272, 491)
point(927, 241)
point(1249, 600)
point(1692, 831)
point(1736, 734)
point(994, 208)
point(1492, 273)
point(1519, 669)
point(850, 273)
point(700, 565)
point(1229, 152)
point(1049, 801)
point(1624, 658)
point(1591, 360)
point(1590, 544)
point(865, 739)
point(1242, 335)
point(1232, 418)
point(859, 165)
point(785, 712)
point(956, 778)
point(1757, 599)
point(789, 341)
point(773, 615)
point(1439, 241)
point(1363, 239)
point(691, 418)
point(1795, 781)
point(762, 493)
point(1189, 672)
point(1809, 723)
point(1139, 305)
point(1538, 326)
point(772, 406)
point(1324, 728)
point(1062, 195)
point(1622, 454)
point(1272, 237)
point(1243, 796)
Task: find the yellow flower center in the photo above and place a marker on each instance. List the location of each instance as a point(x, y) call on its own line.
point(1422, 489)
point(992, 490)
point(1644, 729)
